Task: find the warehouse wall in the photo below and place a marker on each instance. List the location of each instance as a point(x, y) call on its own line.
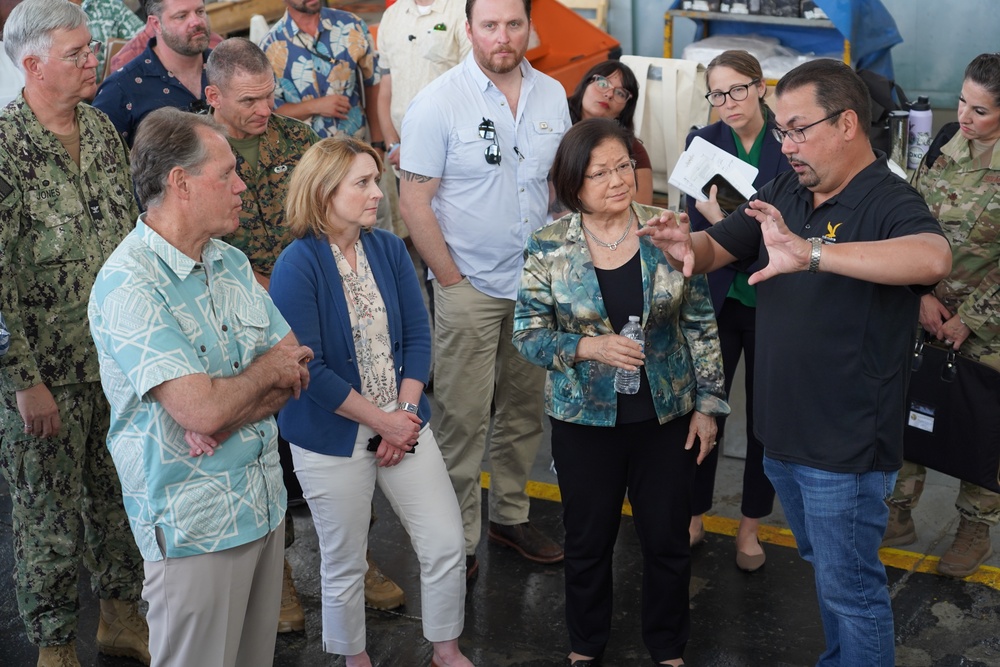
point(939, 39)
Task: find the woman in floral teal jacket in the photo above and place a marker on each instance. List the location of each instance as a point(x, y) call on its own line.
point(584, 275)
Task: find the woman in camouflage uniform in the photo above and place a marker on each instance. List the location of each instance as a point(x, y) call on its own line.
point(961, 187)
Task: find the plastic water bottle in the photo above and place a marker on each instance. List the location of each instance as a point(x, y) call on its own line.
point(921, 121)
point(627, 382)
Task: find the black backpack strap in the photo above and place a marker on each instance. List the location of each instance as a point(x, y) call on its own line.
point(944, 135)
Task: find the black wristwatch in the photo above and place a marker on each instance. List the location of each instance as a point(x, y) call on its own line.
point(379, 145)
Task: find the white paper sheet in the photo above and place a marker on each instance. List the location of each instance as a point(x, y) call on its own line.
point(703, 160)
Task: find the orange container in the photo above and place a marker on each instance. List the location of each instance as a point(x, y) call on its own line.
point(569, 44)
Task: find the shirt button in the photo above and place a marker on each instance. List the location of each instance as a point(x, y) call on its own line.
point(522, 189)
point(261, 434)
point(225, 328)
point(203, 348)
point(525, 221)
point(236, 364)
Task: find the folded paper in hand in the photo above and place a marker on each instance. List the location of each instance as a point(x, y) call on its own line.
point(702, 162)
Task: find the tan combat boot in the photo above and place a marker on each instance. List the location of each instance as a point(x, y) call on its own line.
point(291, 618)
point(970, 549)
point(381, 592)
point(900, 530)
point(122, 631)
point(63, 655)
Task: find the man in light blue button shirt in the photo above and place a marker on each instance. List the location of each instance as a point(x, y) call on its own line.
point(479, 143)
point(195, 359)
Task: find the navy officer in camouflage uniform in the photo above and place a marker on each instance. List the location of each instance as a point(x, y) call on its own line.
point(65, 204)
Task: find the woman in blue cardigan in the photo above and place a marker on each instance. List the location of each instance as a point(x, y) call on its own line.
point(736, 89)
point(352, 293)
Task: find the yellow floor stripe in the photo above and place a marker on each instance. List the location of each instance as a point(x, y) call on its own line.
point(897, 558)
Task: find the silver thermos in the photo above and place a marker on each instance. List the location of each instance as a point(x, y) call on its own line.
point(899, 128)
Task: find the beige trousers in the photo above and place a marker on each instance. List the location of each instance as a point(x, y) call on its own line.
point(475, 364)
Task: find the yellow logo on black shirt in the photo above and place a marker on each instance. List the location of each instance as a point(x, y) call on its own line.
point(831, 232)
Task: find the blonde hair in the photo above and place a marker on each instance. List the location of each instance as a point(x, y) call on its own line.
point(315, 181)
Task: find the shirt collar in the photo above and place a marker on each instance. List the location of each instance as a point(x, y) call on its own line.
point(858, 189)
point(178, 262)
point(483, 82)
point(959, 150)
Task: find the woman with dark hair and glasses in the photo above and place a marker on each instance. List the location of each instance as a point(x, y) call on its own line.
point(584, 276)
point(609, 90)
point(736, 90)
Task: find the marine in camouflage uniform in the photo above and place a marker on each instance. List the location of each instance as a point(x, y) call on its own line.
point(58, 223)
point(964, 195)
point(262, 234)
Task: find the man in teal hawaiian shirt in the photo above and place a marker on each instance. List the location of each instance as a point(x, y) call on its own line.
point(195, 360)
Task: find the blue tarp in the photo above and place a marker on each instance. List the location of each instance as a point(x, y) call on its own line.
point(867, 24)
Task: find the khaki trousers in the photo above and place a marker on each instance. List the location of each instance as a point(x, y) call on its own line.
point(218, 608)
point(475, 364)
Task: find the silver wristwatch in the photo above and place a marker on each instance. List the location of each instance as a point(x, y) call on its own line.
point(407, 407)
point(817, 250)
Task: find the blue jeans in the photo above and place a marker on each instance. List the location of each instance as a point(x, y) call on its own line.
point(838, 520)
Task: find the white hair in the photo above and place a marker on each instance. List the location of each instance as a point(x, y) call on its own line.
point(28, 30)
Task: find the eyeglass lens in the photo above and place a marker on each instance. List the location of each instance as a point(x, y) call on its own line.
point(621, 94)
point(80, 59)
point(737, 93)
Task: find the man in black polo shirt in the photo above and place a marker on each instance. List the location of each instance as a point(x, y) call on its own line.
point(846, 249)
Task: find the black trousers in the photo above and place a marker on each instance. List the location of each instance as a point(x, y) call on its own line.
point(737, 335)
point(596, 467)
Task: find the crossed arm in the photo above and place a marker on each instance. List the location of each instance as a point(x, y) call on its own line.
point(215, 406)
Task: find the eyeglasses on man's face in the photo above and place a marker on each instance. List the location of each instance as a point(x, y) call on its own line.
point(798, 134)
point(739, 93)
point(623, 170)
point(604, 85)
point(83, 55)
point(488, 131)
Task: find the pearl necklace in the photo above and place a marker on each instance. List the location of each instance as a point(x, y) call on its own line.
point(611, 246)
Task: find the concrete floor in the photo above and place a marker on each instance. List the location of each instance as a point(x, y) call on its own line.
point(514, 612)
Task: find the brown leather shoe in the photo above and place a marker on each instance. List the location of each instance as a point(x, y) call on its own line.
point(63, 655)
point(291, 617)
point(527, 541)
point(122, 631)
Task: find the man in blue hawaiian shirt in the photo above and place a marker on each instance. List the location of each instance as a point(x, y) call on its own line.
point(327, 70)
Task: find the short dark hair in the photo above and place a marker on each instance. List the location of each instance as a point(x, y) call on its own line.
point(469, 4)
point(153, 7)
point(985, 70)
point(837, 87)
point(236, 54)
point(606, 69)
point(167, 138)
point(573, 157)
